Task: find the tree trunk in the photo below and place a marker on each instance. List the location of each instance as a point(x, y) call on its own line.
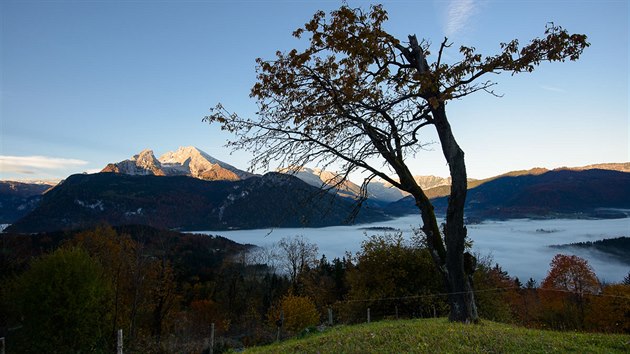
point(450, 262)
point(461, 298)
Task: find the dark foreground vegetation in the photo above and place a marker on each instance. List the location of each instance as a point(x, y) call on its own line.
point(71, 292)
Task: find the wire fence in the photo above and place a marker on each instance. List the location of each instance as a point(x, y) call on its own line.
point(332, 314)
point(446, 294)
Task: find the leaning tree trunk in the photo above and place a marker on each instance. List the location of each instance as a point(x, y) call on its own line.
point(447, 255)
point(461, 298)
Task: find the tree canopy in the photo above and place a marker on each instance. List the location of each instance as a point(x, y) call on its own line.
point(358, 93)
point(571, 273)
point(357, 97)
point(63, 300)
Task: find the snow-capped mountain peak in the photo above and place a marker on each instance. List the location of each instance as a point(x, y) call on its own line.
point(201, 165)
point(146, 160)
point(187, 161)
point(143, 163)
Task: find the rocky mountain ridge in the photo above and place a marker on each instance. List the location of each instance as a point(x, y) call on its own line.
point(18, 199)
point(185, 161)
point(377, 189)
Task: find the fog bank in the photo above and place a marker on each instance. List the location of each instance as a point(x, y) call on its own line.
point(519, 246)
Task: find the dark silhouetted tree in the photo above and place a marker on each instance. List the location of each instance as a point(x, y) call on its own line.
point(63, 300)
point(358, 97)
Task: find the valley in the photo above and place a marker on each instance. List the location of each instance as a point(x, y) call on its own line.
point(515, 218)
point(519, 246)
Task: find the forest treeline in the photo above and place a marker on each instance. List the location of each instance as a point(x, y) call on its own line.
point(72, 291)
point(618, 247)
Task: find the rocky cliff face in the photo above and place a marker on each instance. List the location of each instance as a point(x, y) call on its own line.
point(142, 164)
point(200, 165)
point(185, 161)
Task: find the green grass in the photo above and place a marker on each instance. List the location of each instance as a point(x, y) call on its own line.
point(440, 336)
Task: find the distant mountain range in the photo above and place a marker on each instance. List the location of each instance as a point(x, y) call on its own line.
point(377, 190)
point(18, 199)
point(185, 203)
point(193, 162)
point(433, 186)
point(326, 180)
point(540, 193)
point(189, 189)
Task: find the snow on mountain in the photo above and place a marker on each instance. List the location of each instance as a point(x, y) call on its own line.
point(428, 182)
point(384, 191)
point(326, 179)
point(143, 163)
point(200, 165)
point(377, 189)
point(47, 182)
point(187, 161)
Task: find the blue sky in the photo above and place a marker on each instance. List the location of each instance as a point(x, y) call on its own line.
point(85, 83)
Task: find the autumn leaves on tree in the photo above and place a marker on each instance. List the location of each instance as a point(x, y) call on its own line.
point(357, 98)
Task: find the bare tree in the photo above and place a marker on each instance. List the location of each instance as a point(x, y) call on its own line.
point(358, 97)
point(268, 256)
point(297, 254)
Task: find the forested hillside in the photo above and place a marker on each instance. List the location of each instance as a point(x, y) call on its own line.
point(185, 203)
point(165, 290)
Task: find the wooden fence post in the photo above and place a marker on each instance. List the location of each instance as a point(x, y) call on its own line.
point(212, 338)
point(119, 342)
point(330, 319)
point(396, 311)
point(279, 323)
point(368, 315)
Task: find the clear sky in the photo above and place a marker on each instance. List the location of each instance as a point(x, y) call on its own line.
point(85, 83)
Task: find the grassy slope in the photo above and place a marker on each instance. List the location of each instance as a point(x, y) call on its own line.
point(440, 336)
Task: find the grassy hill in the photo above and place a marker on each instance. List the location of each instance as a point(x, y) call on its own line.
point(440, 336)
